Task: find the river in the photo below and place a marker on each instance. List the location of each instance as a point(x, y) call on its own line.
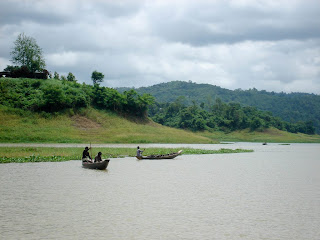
point(272, 193)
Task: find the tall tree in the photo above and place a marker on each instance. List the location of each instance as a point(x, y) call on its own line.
point(26, 52)
point(97, 77)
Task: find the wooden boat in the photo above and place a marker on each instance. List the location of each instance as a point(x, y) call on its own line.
point(165, 156)
point(97, 165)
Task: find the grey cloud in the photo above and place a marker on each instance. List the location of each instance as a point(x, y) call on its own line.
point(62, 12)
point(116, 9)
point(16, 12)
point(219, 22)
point(68, 25)
point(271, 45)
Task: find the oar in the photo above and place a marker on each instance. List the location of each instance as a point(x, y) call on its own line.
point(90, 150)
point(142, 151)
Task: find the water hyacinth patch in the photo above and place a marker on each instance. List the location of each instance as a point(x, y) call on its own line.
point(33, 158)
point(45, 154)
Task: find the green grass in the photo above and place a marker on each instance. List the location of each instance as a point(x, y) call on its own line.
point(91, 125)
point(88, 125)
point(46, 154)
point(268, 135)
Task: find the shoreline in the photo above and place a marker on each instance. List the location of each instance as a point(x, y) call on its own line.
point(132, 145)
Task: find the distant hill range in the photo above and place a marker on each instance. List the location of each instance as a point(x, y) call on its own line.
point(291, 107)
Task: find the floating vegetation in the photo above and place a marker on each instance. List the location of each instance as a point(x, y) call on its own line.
point(44, 154)
point(189, 151)
point(33, 158)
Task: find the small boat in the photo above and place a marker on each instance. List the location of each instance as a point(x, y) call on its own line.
point(97, 165)
point(164, 156)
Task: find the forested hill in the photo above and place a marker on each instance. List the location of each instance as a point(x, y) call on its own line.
point(50, 96)
point(292, 107)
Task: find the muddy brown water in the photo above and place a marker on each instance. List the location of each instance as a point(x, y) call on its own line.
point(272, 193)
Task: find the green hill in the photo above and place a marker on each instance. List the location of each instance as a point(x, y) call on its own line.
point(98, 126)
point(291, 107)
point(53, 111)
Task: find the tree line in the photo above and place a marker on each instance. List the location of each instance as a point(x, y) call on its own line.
point(291, 107)
point(53, 95)
point(221, 116)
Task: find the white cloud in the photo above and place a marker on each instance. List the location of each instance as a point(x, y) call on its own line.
point(66, 59)
point(4, 63)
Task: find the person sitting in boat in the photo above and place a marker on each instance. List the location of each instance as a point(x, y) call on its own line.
point(139, 152)
point(98, 157)
point(86, 156)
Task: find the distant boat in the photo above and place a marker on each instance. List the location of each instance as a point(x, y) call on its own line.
point(160, 156)
point(97, 165)
point(264, 143)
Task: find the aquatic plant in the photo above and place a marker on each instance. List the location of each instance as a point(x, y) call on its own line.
point(45, 154)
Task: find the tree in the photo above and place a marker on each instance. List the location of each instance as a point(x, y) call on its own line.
point(56, 76)
point(97, 77)
point(71, 77)
point(26, 52)
point(54, 98)
point(256, 123)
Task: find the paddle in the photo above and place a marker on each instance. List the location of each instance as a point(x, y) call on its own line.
point(91, 151)
point(142, 151)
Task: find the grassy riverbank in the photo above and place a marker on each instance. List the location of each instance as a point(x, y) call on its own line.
point(96, 126)
point(269, 135)
point(87, 125)
point(46, 154)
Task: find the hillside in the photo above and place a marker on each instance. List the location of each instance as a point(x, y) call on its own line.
point(292, 107)
point(87, 125)
point(98, 126)
point(53, 111)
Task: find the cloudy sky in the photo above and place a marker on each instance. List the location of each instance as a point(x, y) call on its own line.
point(271, 45)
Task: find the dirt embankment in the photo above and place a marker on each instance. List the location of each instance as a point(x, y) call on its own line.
point(84, 123)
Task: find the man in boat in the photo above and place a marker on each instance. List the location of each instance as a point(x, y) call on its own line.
point(139, 152)
point(86, 156)
point(98, 157)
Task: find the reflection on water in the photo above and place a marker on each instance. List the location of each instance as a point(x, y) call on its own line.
point(273, 193)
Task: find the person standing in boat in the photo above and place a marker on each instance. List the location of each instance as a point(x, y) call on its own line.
point(139, 152)
point(98, 157)
point(86, 156)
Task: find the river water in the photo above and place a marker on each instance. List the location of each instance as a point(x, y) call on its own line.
point(272, 193)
